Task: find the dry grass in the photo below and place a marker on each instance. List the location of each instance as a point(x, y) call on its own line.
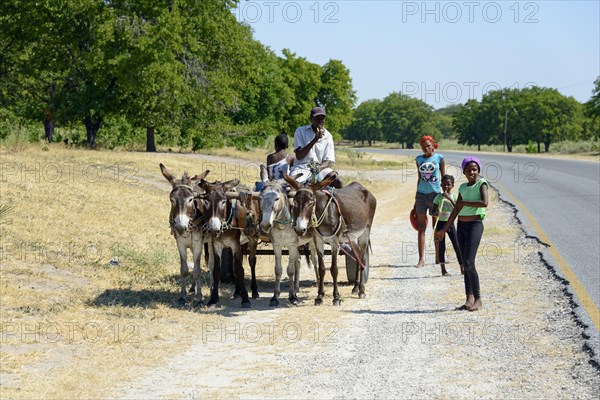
point(73, 325)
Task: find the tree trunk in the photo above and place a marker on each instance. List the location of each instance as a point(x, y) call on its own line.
point(479, 147)
point(370, 142)
point(150, 144)
point(49, 125)
point(92, 127)
point(539, 144)
point(509, 147)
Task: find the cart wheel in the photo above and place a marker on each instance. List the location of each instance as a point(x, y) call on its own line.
point(351, 267)
point(227, 266)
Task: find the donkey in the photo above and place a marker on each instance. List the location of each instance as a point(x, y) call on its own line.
point(186, 223)
point(248, 215)
point(277, 222)
point(343, 215)
point(222, 226)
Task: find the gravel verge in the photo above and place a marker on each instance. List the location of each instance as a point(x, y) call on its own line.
point(404, 341)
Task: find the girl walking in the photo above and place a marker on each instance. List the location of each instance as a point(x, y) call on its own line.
point(430, 167)
point(470, 209)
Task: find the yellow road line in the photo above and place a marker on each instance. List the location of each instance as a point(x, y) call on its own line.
point(584, 298)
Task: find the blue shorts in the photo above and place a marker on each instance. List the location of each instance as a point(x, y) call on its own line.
point(424, 202)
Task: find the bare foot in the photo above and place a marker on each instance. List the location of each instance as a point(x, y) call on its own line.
point(468, 304)
point(478, 305)
point(421, 264)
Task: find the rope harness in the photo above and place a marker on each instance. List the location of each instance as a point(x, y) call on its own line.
point(316, 222)
point(227, 224)
point(195, 221)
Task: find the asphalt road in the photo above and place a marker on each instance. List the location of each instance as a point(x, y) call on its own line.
point(558, 201)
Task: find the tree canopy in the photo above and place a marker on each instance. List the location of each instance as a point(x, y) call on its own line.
point(185, 69)
point(188, 73)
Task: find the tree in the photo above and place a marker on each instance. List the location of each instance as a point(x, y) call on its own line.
point(366, 123)
point(441, 121)
point(304, 81)
point(403, 118)
point(591, 125)
point(468, 125)
point(546, 116)
point(514, 116)
point(39, 44)
point(264, 94)
point(440, 125)
point(90, 86)
point(336, 95)
point(184, 64)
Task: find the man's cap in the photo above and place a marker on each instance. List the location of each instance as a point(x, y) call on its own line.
point(317, 111)
point(471, 159)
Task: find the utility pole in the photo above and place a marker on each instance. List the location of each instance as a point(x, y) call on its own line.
point(505, 117)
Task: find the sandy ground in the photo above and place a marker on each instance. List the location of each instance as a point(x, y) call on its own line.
point(403, 341)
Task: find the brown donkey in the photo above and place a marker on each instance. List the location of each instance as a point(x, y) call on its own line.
point(186, 223)
point(336, 216)
point(223, 227)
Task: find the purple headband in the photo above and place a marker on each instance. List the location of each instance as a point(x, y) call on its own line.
point(471, 159)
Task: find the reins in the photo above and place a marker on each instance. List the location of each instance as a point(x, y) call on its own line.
point(355, 257)
point(316, 222)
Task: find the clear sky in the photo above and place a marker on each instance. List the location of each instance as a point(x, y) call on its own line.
point(442, 52)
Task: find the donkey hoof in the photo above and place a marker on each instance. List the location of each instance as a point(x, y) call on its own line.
point(318, 302)
point(273, 303)
point(355, 290)
point(181, 301)
point(246, 304)
point(255, 295)
point(293, 300)
point(362, 296)
point(337, 302)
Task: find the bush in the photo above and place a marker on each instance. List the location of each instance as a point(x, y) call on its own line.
point(18, 131)
point(118, 132)
point(207, 139)
point(570, 147)
point(531, 147)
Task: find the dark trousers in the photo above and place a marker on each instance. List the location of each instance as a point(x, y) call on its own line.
point(469, 237)
point(442, 243)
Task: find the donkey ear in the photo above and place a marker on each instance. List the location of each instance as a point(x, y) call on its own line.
point(231, 184)
point(168, 176)
point(201, 176)
point(323, 183)
point(291, 181)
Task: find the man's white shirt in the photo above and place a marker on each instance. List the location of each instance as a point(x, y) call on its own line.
point(321, 151)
